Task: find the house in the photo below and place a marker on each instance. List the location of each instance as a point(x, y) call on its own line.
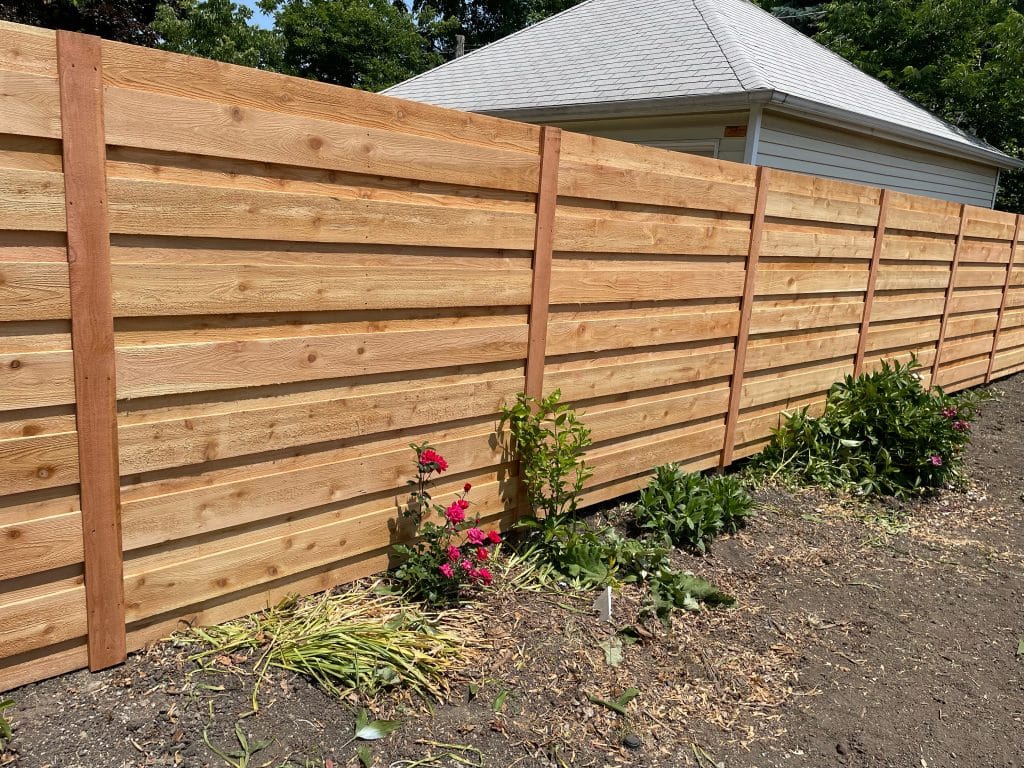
point(721, 78)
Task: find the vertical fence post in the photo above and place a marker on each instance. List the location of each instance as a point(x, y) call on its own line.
point(746, 308)
point(79, 60)
point(1002, 302)
point(547, 199)
point(949, 295)
point(869, 292)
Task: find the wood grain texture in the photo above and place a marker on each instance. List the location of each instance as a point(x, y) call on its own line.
point(202, 366)
point(764, 177)
point(1001, 312)
point(869, 293)
point(171, 123)
point(186, 210)
point(32, 200)
point(936, 365)
point(155, 289)
point(92, 340)
point(544, 236)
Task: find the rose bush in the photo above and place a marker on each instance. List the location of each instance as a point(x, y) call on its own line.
point(450, 549)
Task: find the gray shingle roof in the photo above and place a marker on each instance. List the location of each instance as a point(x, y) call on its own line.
point(619, 51)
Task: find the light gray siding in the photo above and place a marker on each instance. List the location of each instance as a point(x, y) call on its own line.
point(806, 147)
point(702, 134)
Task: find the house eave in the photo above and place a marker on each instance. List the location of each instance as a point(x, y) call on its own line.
point(882, 129)
point(773, 99)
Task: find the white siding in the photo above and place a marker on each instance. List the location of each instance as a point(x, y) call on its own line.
point(795, 145)
point(698, 134)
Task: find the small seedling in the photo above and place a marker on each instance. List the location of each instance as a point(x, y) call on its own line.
point(243, 756)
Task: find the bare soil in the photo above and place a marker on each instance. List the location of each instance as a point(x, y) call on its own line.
point(864, 635)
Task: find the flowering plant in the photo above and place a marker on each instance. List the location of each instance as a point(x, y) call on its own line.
point(451, 550)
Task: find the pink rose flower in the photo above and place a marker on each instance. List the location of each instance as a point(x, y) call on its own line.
point(481, 554)
point(466, 565)
point(494, 537)
point(476, 536)
point(485, 576)
point(446, 569)
point(936, 460)
point(454, 554)
point(455, 514)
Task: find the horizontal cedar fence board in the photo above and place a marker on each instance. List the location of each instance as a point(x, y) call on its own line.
point(28, 49)
point(229, 131)
point(128, 66)
point(31, 200)
point(29, 104)
point(147, 207)
point(571, 286)
point(152, 289)
point(194, 367)
point(305, 279)
point(178, 437)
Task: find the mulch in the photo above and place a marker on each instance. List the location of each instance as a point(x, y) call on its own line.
point(864, 635)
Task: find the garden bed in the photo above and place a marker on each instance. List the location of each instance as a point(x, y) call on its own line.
point(863, 635)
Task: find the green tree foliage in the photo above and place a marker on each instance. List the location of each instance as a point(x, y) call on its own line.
point(126, 20)
point(962, 59)
point(484, 21)
point(218, 29)
point(368, 44)
point(803, 15)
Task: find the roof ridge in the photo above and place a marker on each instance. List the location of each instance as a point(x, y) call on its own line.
point(750, 75)
point(482, 48)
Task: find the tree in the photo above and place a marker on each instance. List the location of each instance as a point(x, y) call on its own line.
point(804, 15)
point(961, 59)
point(368, 44)
point(484, 21)
point(126, 20)
point(221, 30)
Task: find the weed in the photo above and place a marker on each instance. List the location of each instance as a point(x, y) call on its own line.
point(242, 757)
point(689, 510)
point(881, 433)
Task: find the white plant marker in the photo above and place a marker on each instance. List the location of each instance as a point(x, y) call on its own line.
point(603, 604)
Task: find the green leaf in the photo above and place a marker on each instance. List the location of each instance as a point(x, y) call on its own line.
point(365, 755)
point(499, 701)
point(1020, 648)
point(377, 729)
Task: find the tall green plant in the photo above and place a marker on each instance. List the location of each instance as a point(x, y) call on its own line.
point(548, 440)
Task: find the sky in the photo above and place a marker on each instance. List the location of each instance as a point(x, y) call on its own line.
point(259, 18)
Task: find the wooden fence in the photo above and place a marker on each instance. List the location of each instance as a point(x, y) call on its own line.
point(230, 299)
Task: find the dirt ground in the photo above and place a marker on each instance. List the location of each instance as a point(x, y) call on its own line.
point(863, 636)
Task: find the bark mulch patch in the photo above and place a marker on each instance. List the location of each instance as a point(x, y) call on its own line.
point(864, 635)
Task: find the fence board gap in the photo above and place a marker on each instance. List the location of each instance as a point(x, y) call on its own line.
point(950, 289)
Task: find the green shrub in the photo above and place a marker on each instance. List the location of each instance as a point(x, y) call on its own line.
point(689, 510)
point(548, 440)
point(881, 433)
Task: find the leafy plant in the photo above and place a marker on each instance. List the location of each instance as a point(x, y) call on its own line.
point(881, 433)
point(589, 557)
point(548, 440)
point(446, 556)
point(689, 510)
